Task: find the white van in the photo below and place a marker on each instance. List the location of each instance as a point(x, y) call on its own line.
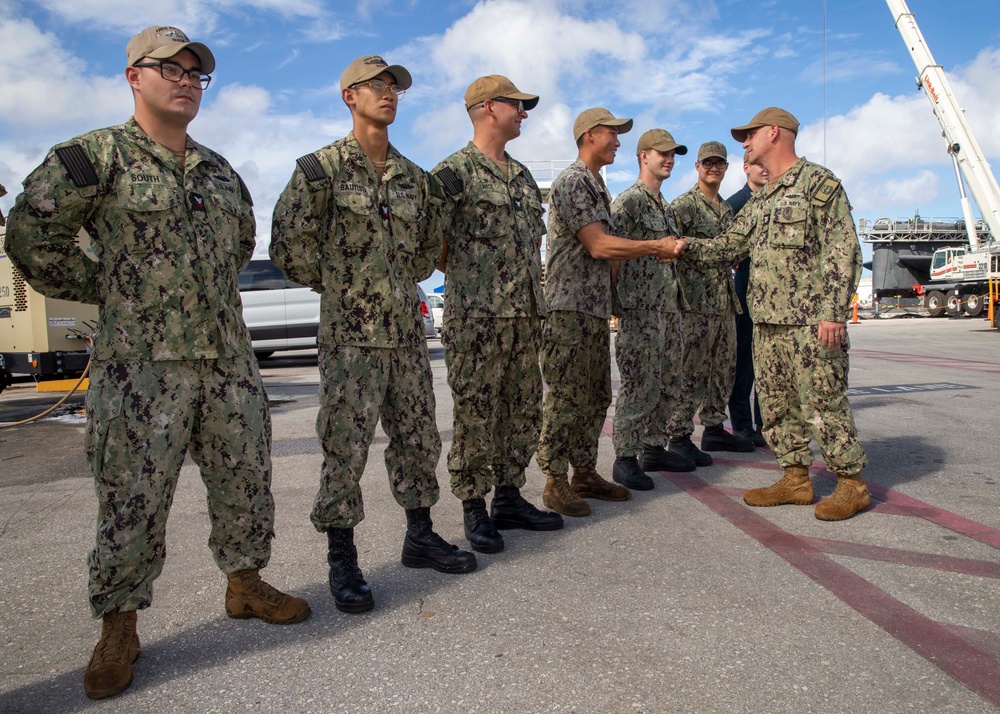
point(283, 315)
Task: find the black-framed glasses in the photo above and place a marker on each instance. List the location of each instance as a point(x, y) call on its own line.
point(516, 103)
point(173, 72)
point(717, 164)
point(379, 87)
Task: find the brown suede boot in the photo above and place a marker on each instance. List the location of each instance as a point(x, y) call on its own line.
point(562, 499)
point(794, 487)
point(249, 596)
point(851, 496)
point(109, 671)
point(588, 484)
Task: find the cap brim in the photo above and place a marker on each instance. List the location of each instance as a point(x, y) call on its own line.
point(201, 51)
point(530, 101)
point(624, 125)
point(678, 149)
point(712, 156)
point(398, 72)
point(740, 132)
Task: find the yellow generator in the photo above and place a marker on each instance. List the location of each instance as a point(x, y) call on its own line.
point(39, 335)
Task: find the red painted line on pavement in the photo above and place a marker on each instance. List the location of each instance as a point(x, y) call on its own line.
point(951, 564)
point(963, 662)
point(914, 507)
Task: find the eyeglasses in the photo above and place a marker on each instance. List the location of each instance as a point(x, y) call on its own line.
point(379, 87)
point(173, 72)
point(517, 103)
point(719, 164)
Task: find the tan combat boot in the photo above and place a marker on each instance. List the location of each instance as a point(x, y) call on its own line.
point(588, 484)
point(794, 487)
point(562, 499)
point(249, 596)
point(109, 671)
point(851, 496)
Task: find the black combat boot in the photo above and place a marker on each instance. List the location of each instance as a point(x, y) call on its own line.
point(684, 447)
point(423, 548)
point(510, 510)
point(716, 438)
point(479, 528)
point(656, 458)
point(627, 472)
point(347, 583)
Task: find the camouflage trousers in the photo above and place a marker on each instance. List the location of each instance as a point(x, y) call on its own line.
point(496, 387)
point(803, 395)
point(648, 349)
point(576, 366)
point(142, 418)
point(360, 385)
point(709, 367)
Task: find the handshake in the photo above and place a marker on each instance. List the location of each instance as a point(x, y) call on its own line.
point(669, 248)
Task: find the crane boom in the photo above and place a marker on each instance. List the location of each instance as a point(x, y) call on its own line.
point(962, 144)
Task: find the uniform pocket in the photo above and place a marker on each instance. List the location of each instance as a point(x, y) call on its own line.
point(352, 221)
point(788, 223)
point(149, 216)
point(103, 408)
point(492, 215)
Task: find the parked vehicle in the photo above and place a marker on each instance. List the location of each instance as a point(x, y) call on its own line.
point(437, 309)
point(281, 314)
point(425, 312)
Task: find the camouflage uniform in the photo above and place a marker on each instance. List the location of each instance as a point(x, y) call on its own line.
point(172, 366)
point(709, 356)
point(576, 355)
point(3, 192)
point(493, 302)
point(648, 344)
point(364, 244)
point(805, 266)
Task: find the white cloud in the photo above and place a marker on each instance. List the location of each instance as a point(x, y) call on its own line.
point(197, 18)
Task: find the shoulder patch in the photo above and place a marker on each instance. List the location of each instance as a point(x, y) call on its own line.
point(78, 164)
point(311, 167)
point(452, 184)
point(825, 191)
point(244, 191)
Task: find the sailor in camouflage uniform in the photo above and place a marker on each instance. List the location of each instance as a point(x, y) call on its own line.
point(357, 222)
point(804, 270)
point(648, 343)
point(576, 353)
point(171, 225)
point(709, 331)
point(492, 307)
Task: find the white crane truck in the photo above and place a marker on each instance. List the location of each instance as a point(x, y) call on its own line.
point(959, 275)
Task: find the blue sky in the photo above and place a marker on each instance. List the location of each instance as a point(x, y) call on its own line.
point(693, 67)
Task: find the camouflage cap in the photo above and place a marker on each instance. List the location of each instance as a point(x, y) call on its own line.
point(712, 148)
point(163, 43)
point(598, 116)
point(660, 140)
point(370, 66)
point(496, 86)
point(772, 116)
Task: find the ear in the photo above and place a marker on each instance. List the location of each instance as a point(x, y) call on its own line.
point(348, 96)
point(132, 75)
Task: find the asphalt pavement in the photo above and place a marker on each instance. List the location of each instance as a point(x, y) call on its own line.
point(680, 600)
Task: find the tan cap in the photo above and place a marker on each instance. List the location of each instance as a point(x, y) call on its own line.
point(165, 42)
point(370, 66)
point(598, 116)
point(772, 116)
point(712, 148)
point(660, 140)
point(496, 86)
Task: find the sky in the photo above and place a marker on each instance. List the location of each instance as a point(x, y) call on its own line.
point(693, 67)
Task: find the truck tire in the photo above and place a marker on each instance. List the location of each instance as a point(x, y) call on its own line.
point(952, 305)
point(973, 305)
point(262, 354)
point(934, 301)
